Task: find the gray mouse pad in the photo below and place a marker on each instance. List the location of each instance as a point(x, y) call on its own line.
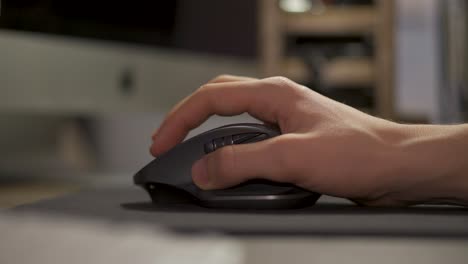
point(329, 217)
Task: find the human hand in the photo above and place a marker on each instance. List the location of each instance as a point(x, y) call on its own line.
point(325, 146)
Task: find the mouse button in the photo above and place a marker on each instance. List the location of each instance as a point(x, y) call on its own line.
point(228, 140)
point(215, 144)
point(241, 138)
point(218, 142)
point(208, 147)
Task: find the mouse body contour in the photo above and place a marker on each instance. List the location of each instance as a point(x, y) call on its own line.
point(168, 177)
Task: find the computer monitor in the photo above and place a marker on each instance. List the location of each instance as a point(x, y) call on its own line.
point(92, 59)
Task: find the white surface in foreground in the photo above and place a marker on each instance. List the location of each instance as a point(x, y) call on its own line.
point(38, 239)
point(45, 240)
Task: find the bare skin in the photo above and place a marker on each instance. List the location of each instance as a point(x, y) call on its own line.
point(326, 147)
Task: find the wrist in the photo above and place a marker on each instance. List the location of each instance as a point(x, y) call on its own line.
point(431, 162)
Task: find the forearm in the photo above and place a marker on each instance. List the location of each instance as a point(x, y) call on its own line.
point(435, 160)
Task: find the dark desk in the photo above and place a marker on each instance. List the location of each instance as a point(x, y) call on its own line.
point(333, 231)
point(330, 217)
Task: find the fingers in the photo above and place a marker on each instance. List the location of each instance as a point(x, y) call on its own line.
point(262, 99)
point(235, 164)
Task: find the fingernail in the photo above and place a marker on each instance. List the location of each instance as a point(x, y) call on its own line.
point(200, 175)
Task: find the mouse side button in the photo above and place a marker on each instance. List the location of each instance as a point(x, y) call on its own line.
point(208, 147)
point(220, 142)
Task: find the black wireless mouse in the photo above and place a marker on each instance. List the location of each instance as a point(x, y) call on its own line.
point(168, 177)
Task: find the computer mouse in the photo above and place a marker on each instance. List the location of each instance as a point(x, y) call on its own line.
point(168, 178)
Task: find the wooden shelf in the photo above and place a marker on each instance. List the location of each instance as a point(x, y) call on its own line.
point(333, 21)
point(376, 21)
point(349, 72)
point(340, 72)
point(295, 69)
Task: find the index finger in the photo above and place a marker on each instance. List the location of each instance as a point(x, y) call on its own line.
point(262, 99)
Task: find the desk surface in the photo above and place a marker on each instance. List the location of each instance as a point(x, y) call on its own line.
point(18, 193)
point(333, 231)
point(330, 217)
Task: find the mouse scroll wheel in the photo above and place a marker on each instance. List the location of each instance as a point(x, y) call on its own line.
point(234, 139)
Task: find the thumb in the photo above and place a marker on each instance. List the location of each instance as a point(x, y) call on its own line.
point(234, 164)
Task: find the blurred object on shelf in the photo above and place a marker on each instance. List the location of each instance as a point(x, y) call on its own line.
point(298, 6)
point(317, 6)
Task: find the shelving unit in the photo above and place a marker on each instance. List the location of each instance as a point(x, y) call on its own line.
point(333, 21)
point(371, 21)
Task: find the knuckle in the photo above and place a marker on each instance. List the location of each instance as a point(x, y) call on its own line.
point(203, 88)
point(204, 91)
point(280, 82)
point(286, 85)
point(221, 77)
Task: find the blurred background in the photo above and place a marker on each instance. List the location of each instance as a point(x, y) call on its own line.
point(83, 84)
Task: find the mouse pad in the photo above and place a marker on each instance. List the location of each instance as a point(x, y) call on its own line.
point(329, 217)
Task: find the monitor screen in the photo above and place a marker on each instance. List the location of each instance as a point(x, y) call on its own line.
point(203, 25)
